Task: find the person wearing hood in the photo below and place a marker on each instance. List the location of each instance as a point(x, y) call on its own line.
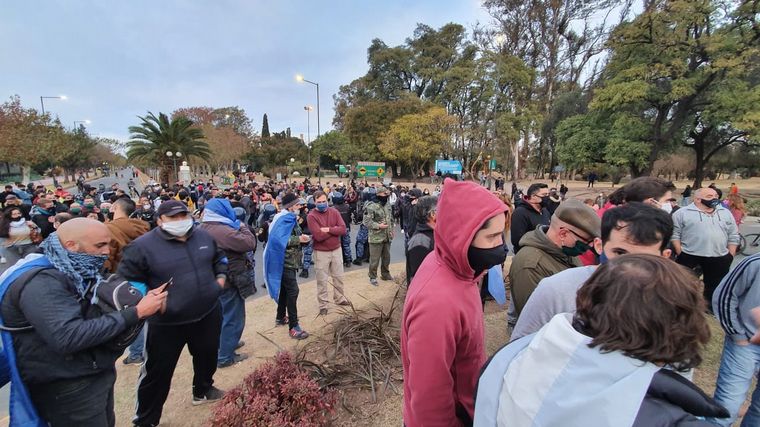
point(442, 330)
point(530, 212)
point(189, 261)
point(604, 366)
point(547, 250)
point(705, 236)
point(236, 240)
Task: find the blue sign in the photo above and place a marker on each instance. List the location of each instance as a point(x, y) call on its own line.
point(448, 166)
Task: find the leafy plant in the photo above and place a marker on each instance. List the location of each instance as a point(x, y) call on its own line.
point(278, 394)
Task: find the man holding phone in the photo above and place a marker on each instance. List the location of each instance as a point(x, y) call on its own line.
point(194, 269)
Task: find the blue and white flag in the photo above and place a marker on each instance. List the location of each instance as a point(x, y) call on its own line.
point(274, 254)
point(496, 284)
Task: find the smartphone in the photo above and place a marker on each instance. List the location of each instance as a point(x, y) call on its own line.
point(169, 283)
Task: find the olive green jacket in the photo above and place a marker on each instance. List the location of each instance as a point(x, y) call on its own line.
point(293, 252)
point(374, 215)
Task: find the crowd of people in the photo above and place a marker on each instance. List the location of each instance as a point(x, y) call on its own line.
point(608, 297)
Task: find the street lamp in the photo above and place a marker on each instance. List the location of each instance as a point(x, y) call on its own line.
point(308, 109)
point(87, 122)
point(174, 156)
point(301, 79)
point(43, 98)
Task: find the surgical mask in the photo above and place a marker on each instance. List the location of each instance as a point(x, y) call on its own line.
point(482, 259)
point(322, 207)
point(712, 204)
point(667, 207)
point(577, 249)
point(146, 207)
point(178, 228)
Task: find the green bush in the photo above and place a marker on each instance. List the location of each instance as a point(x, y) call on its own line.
point(753, 207)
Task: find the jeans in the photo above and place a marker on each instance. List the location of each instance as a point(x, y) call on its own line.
point(233, 322)
point(138, 345)
point(288, 299)
point(85, 402)
point(737, 367)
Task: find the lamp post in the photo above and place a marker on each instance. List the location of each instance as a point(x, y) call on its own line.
point(87, 122)
point(308, 109)
point(301, 79)
point(174, 156)
point(43, 98)
point(292, 160)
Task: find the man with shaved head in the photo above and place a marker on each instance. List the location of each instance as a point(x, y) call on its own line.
point(61, 354)
point(705, 236)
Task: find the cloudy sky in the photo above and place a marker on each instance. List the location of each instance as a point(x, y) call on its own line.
point(115, 60)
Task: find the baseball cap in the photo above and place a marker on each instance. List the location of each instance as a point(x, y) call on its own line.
point(171, 208)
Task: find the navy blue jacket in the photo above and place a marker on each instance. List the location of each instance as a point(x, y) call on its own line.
point(195, 264)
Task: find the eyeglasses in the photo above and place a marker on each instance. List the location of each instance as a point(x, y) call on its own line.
point(581, 238)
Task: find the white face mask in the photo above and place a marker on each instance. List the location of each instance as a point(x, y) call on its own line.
point(178, 228)
point(667, 207)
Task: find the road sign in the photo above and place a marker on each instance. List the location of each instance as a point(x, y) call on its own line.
point(370, 169)
point(492, 164)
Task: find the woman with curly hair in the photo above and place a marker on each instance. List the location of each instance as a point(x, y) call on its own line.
point(639, 319)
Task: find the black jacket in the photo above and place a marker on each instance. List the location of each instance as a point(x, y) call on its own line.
point(235, 244)
point(157, 256)
point(419, 246)
point(673, 401)
point(345, 213)
point(63, 344)
point(525, 219)
point(42, 220)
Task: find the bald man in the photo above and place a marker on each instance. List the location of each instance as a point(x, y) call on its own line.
point(705, 235)
point(63, 360)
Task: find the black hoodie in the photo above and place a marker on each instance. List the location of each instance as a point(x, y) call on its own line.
point(525, 219)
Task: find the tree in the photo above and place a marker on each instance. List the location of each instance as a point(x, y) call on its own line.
point(415, 139)
point(150, 141)
point(265, 127)
point(333, 147)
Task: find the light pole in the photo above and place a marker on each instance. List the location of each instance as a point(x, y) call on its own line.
point(174, 156)
point(292, 160)
point(87, 122)
point(301, 79)
point(43, 98)
point(308, 109)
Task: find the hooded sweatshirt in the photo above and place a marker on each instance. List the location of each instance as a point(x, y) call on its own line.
point(442, 339)
point(123, 231)
point(538, 259)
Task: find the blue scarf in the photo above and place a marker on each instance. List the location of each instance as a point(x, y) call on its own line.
point(220, 210)
point(76, 266)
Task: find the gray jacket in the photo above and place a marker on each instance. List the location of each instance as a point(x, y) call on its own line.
point(738, 293)
point(703, 234)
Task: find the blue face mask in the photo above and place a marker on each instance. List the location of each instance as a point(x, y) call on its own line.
point(603, 258)
point(322, 207)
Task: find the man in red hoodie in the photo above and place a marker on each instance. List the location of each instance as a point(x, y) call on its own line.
point(327, 227)
point(442, 332)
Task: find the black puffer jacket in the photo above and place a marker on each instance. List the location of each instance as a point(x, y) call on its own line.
point(673, 401)
point(63, 344)
point(195, 265)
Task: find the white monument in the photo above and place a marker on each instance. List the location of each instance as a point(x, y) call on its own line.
point(184, 172)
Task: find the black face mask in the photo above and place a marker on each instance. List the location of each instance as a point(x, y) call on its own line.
point(382, 199)
point(712, 204)
point(545, 201)
point(482, 259)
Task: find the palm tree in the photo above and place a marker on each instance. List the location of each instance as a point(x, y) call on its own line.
point(150, 141)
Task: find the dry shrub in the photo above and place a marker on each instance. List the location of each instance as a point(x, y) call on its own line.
point(278, 393)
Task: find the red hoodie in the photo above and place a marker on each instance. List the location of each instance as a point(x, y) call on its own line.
point(442, 338)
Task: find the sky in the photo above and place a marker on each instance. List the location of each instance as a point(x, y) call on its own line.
point(116, 60)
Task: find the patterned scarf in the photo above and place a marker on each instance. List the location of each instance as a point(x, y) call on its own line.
point(76, 266)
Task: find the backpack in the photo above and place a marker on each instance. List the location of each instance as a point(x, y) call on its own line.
point(114, 293)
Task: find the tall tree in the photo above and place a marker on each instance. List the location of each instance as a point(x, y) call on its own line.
point(265, 127)
point(150, 141)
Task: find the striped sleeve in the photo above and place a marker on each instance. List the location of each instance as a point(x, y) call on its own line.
point(726, 299)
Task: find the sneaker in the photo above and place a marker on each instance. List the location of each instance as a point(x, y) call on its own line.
point(133, 360)
point(323, 312)
point(298, 334)
point(239, 344)
point(281, 322)
point(373, 282)
point(304, 274)
point(237, 358)
point(357, 262)
point(212, 395)
point(347, 264)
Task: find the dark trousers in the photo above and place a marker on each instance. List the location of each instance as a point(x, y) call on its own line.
point(288, 299)
point(163, 345)
point(713, 271)
point(379, 254)
point(85, 402)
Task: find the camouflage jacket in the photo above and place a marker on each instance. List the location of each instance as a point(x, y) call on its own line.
point(374, 215)
point(293, 252)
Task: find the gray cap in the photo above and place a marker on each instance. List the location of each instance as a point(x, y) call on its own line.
point(576, 213)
